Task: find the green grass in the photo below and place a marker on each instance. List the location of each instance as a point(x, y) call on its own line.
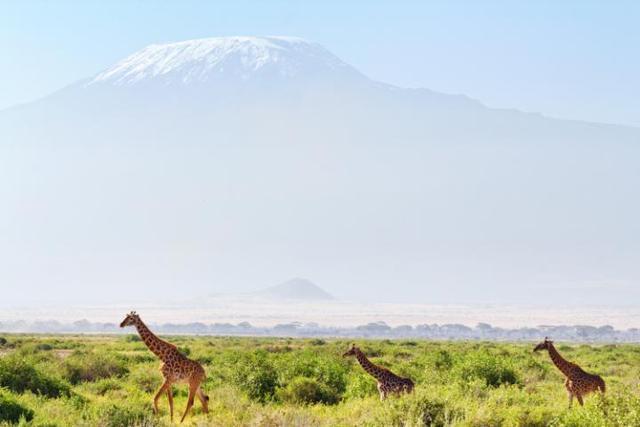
point(110, 381)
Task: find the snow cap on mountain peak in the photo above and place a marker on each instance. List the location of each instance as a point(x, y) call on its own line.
point(224, 59)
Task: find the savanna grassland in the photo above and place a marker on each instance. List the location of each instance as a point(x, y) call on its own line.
point(110, 381)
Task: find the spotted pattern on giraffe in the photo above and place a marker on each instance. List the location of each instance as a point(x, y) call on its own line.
point(578, 382)
point(175, 367)
point(388, 382)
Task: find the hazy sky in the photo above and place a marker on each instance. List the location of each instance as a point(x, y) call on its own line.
point(394, 195)
point(570, 59)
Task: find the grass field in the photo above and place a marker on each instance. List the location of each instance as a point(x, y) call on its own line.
point(110, 381)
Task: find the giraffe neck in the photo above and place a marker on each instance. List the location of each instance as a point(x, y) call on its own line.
point(155, 344)
point(370, 368)
point(559, 361)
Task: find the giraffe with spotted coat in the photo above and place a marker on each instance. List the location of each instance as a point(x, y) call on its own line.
point(388, 382)
point(577, 382)
point(175, 368)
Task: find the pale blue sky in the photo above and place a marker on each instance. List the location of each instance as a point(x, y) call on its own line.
point(570, 59)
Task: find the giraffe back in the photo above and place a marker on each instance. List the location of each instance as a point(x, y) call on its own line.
point(178, 367)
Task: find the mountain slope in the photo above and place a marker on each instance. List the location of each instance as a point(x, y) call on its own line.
point(231, 89)
point(230, 160)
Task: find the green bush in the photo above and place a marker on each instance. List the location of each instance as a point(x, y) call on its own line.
point(428, 412)
point(619, 410)
point(184, 350)
point(11, 411)
point(106, 385)
point(439, 360)
point(302, 390)
point(19, 375)
point(145, 381)
point(491, 369)
point(443, 360)
point(125, 416)
point(44, 347)
point(3, 341)
point(254, 374)
point(82, 366)
point(413, 410)
point(360, 385)
point(325, 369)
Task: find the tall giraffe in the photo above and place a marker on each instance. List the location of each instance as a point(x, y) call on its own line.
point(388, 382)
point(175, 368)
point(578, 382)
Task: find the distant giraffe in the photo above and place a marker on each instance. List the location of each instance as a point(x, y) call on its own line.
point(175, 368)
point(578, 382)
point(388, 382)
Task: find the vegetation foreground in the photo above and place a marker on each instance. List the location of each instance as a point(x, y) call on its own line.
point(111, 380)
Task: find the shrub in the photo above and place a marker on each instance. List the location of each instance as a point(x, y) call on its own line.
point(44, 347)
point(442, 360)
point(91, 367)
point(428, 412)
point(360, 385)
point(328, 371)
point(3, 341)
point(493, 370)
point(143, 380)
point(132, 338)
point(11, 411)
point(125, 416)
point(414, 410)
point(302, 390)
point(18, 375)
point(614, 410)
point(138, 357)
point(255, 375)
point(104, 386)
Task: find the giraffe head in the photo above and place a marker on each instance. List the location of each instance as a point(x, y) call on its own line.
point(131, 319)
point(352, 351)
point(544, 345)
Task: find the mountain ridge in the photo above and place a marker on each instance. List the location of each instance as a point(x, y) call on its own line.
point(141, 69)
point(199, 61)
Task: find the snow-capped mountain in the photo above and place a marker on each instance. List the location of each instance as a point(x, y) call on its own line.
point(227, 60)
point(228, 160)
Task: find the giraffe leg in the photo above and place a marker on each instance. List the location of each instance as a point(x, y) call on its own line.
point(569, 392)
point(204, 400)
point(170, 398)
point(193, 386)
point(161, 390)
point(383, 394)
point(579, 397)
